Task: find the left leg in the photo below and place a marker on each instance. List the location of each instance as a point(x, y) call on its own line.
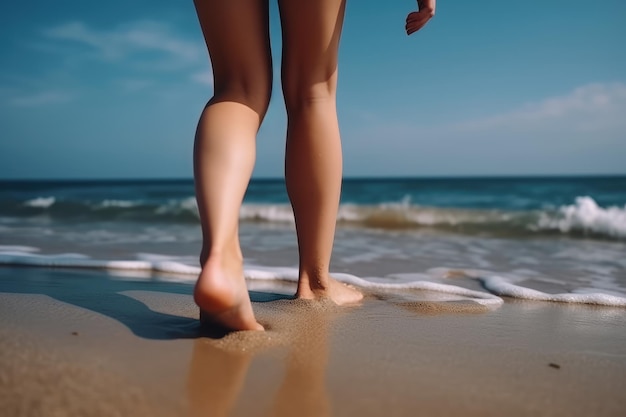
point(237, 37)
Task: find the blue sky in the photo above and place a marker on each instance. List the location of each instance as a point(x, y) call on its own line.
point(114, 89)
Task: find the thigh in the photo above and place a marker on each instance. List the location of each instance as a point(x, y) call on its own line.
point(236, 33)
point(311, 34)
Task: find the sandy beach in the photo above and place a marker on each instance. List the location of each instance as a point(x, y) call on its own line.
point(76, 342)
point(468, 180)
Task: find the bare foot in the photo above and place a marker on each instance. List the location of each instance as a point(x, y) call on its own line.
point(222, 296)
point(340, 293)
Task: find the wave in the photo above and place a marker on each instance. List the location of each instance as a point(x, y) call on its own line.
point(119, 203)
point(584, 218)
point(500, 286)
point(42, 202)
point(176, 210)
point(496, 286)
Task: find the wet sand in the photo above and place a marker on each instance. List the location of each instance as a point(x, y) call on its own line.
point(88, 343)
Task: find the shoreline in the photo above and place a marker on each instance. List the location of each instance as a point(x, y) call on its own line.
point(84, 342)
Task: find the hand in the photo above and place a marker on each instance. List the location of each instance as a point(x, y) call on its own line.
point(416, 20)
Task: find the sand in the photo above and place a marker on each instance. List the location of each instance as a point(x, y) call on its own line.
point(85, 343)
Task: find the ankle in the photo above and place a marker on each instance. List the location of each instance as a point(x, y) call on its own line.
point(316, 282)
point(220, 257)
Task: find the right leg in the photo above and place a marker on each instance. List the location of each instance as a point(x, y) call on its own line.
point(311, 32)
point(237, 36)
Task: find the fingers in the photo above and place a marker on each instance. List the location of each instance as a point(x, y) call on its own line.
point(416, 20)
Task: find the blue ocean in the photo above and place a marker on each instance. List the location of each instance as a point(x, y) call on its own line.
point(553, 239)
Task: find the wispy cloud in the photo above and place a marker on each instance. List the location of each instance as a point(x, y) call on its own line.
point(141, 53)
point(590, 106)
point(589, 118)
point(128, 40)
point(43, 98)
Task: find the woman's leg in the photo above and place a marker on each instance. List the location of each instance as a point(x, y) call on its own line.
point(311, 32)
point(237, 36)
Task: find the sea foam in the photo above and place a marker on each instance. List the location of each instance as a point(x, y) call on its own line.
point(586, 216)
point(496, 285)
point(118, 203)
point(502, 287)
point(40, 202)
point(583, 217)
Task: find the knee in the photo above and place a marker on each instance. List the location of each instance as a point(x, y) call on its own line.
point(302, 95)
point(254, 92)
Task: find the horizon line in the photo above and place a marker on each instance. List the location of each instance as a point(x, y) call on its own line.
point(352, 177)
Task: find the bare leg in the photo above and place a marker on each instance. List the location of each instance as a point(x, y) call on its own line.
point(237, 36)
point(311, 32)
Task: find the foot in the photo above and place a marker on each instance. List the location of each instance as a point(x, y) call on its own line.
point(222, 296)
point(338, 292)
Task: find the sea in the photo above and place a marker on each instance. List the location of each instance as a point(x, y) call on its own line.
point(547, 239)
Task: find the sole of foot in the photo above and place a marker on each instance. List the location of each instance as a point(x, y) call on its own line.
point(223, 299)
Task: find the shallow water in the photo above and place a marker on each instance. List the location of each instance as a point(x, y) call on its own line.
point(553, 239)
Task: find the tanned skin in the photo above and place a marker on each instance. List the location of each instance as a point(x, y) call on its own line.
point(236, 33)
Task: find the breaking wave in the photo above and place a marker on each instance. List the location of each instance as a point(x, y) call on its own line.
point(41, 202)
point(587, 217)
point(584, 218)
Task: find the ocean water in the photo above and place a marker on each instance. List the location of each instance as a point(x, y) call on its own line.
point(545, 239)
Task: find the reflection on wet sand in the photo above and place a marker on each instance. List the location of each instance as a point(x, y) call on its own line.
point(215, 379)
point(303, 390)
point(217, 374)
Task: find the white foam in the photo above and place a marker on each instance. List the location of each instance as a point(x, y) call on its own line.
point(118, 203)
point(349, 213)
point(259, 273)
point(508, 287)
point(502, 287)
point(63, 260)
point(585, 215)
point(483, 298)
point(400, 214)
point(188, 204)
point(291, 274)
point(495, 284)
point(18, 248)
point(280, 213)
point(594, 290)
point(40, 202)
point(176, 268)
